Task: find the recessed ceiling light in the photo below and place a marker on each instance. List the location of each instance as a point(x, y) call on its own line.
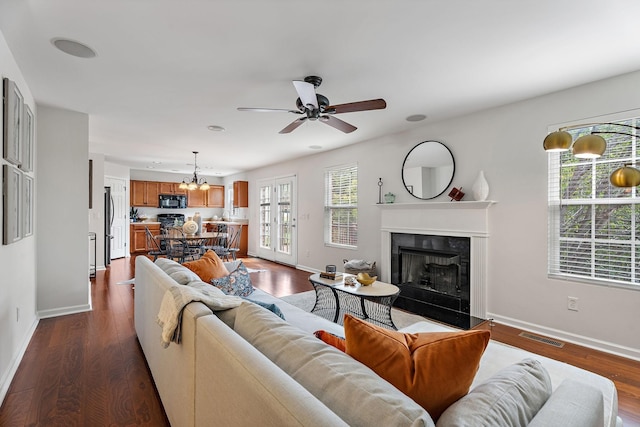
point(150, 167)
point(215, 128)
point(315, 147)
point(155, 162)
point(416, 118)
point(73, 48)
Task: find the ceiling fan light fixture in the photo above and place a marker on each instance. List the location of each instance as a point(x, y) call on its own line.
point(557, 141)
point(589, 147)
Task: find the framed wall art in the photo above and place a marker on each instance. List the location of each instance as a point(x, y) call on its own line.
point(12, 117)
point(28, 139)
point(12, 197)
point(28, 190)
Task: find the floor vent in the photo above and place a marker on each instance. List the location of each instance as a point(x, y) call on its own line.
point(543, 340)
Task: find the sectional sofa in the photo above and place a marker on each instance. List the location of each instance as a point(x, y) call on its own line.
point(247, 366)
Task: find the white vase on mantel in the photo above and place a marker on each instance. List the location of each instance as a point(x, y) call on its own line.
point(480, 188)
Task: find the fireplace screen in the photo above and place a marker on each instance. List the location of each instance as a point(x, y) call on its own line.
point(432, 271)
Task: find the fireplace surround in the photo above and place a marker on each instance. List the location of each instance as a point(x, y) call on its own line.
point(436, 252)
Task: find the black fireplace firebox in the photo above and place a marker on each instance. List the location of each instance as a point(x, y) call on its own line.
point(432, 273)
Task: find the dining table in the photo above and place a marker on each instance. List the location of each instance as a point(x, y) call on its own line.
point(192, 245)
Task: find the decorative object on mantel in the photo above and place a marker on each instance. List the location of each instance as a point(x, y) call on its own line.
point(428, 170)
point(195, 183)
point(389, 198)
point(379, 191)
point(592, 146)
point(456, 194)
point(480, 188)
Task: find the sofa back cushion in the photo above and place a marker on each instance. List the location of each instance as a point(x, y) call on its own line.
point(512, 397)
point(347, 387)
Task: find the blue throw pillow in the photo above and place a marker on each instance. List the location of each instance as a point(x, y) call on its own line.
point(236, 283)
point(269, 306)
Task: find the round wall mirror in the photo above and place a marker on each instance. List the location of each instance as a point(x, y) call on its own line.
point(428, 170)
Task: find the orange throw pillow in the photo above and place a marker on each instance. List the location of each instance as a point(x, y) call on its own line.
point(331, 339)
point(219, 269)
point(208, 267)
point(433, 368)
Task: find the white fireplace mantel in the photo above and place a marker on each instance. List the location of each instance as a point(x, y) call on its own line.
point(460, 219)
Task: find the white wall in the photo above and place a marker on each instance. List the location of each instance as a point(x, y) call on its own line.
point(62, 192)
point(17, 264)
point(506, 143)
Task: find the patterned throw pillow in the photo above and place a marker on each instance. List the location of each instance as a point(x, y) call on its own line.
point(237, 283)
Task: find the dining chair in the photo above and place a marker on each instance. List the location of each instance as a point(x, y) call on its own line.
point(232, 245)
point(154, 246)
point(178, 247)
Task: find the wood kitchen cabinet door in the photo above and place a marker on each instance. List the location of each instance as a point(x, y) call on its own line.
point(215, 198)
point(240, 194)
point(144, 193)
point(167, 188)
point(197, 199)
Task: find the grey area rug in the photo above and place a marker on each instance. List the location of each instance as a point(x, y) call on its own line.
point(306, 300)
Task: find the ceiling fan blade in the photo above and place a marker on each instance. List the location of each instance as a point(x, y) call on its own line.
point(293, 125)
point(338, 124)
point(307, 93)
point(351, 107)
point(269, 110)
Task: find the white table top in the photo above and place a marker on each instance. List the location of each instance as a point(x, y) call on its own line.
point(376, 289)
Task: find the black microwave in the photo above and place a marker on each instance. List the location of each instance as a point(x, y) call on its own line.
point(173, 201)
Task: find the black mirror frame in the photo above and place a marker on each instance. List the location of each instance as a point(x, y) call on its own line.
point(453, 172)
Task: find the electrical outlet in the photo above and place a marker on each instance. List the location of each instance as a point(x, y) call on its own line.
point(572, 303)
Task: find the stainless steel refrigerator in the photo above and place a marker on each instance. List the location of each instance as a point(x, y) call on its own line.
point(108, 224)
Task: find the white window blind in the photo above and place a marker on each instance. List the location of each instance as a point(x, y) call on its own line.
point(341, 206)
point(594, 227)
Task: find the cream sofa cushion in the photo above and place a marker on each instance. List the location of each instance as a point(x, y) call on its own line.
point(350, 389)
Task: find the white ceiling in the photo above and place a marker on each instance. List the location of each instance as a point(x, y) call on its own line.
point(166, 69)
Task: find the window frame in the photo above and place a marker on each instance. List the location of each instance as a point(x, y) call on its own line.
point(556, 202)
point(330, 208)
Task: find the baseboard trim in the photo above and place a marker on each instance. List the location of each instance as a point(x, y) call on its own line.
point(307, 269)
point(6, 381)
point(607, 347)
point(55, 312)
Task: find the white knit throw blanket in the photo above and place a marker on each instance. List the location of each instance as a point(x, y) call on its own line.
point(177, 297)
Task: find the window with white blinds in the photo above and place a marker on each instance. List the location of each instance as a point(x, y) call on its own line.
point(341, 206)
point(594, 227)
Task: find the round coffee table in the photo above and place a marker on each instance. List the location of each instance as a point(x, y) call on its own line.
point(372, 303)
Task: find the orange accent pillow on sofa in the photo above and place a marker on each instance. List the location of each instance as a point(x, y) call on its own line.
point(331, 339)
point(433, 368)
point(208, 267)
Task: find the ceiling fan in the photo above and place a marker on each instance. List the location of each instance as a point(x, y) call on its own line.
point(313, 106)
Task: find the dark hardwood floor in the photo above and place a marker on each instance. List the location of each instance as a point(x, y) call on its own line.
point(88, 369)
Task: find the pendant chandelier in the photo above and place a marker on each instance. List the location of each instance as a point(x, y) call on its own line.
point(195, 182)
point(593, 146)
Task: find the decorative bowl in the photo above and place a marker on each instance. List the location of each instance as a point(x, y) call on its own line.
point(365, 280)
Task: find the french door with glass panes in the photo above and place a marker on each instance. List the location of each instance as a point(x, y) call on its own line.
point(277, 216)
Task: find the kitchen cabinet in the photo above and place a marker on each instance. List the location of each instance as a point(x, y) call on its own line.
point(144, 193)
point(138, 236)
point(212, 198)
point(240, 194)
point(171, 188)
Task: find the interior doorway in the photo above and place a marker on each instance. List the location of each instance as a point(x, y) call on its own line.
point(120, 216)
point(277, 219)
